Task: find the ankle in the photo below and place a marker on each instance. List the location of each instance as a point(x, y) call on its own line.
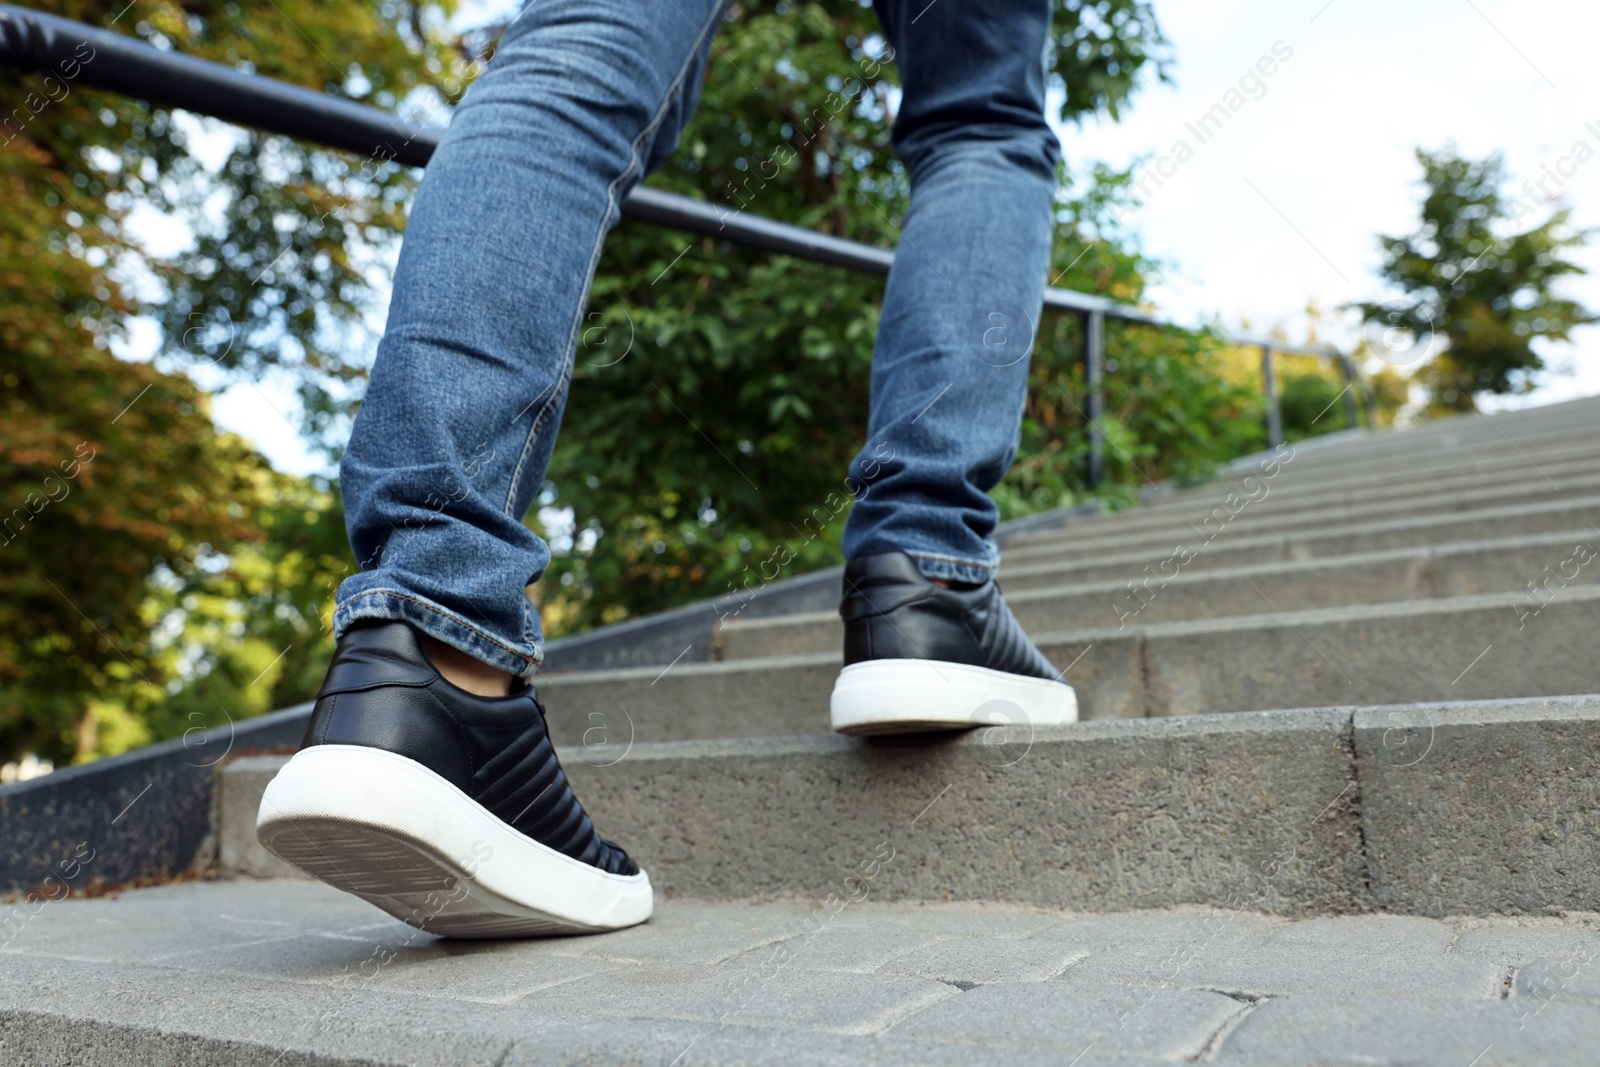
point(464, 672)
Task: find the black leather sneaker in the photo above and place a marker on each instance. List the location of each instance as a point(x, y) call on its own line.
point(921, 657)
point(447, 810)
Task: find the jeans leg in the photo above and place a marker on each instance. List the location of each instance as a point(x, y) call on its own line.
point(450, 447)
point(950, 366)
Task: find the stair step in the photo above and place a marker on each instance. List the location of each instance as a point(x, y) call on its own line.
point(1373, 462)
point(1366, 654)
point(1456, 436)
point(1432, 809)
point(1230, 517)
point(1466, 569)
point(1282, 495)
point(1232, 550)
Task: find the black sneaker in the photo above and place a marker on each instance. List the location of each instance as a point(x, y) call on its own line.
point(447, 810)
point(921, 657)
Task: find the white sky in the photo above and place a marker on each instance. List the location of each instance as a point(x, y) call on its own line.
point(1329, 146)
point(1327, 149)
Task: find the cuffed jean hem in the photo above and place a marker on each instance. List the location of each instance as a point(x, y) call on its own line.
point(952, 569)
point(438, 623)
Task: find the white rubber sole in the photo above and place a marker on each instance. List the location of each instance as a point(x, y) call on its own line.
point(902, 696)
point(396, 834)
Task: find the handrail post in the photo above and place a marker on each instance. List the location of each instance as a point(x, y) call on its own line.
point(1347, 370)
point(1274, 415)
point(1094, 372)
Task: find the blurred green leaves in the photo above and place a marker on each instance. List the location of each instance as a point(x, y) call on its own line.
point(176, 566)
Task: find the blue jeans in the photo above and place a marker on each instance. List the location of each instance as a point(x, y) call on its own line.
point(583, 98)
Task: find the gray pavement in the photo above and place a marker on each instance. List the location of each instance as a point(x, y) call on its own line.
point(280, 973)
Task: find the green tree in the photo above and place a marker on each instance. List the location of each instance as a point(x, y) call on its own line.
point(1309, 404)
point(1482, 294)
point(122, 500)
point(106, 468)
point(244, 632)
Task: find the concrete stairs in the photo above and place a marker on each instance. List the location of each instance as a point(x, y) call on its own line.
point(1335, 801)
point(1377, 653)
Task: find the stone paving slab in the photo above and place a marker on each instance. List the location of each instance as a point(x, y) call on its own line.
point(1567, 974)
point(274, 973)
point(136, 1014)
point(1276, 969)
point(747, 992)
point(968, 961)
point(1069, 1021)
point(1173, 928)
point(1532, 939)
point(1351, 1030)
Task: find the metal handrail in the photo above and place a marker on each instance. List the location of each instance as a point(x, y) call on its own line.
point(34, 42)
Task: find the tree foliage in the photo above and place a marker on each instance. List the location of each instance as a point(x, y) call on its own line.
point(132, 586)
point(106, 467)
point(1483, 294)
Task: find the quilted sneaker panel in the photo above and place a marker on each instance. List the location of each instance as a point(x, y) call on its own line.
point(382, 692)
point(891, 611)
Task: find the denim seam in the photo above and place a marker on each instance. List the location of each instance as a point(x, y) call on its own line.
point(612, 209)
point(437, 611)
